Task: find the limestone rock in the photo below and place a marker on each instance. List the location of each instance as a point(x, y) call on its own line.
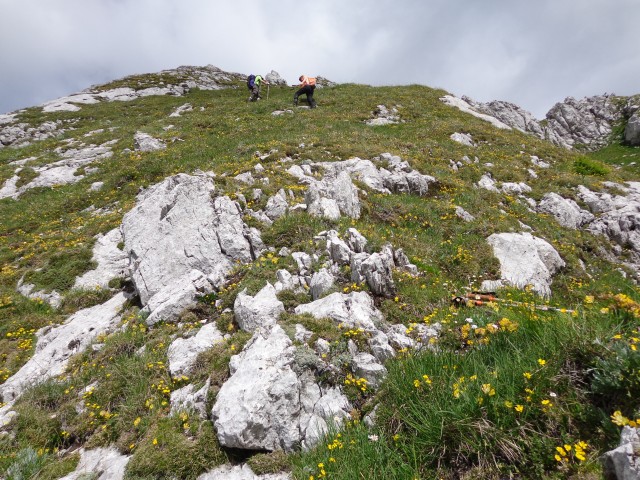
point(112, 261)
point(321, 283)
point(488, 183)
point(509, 114)
point(287, 281)
point(588, 122)
point(57, 344)
point(597, 202)
point(185, 399)
point(526, 260)
point(261, 310)
point(378, 272)
point(333, 196)
point(22, 134)
point(28, 290)
point(566, 211)
point(187, 107)
point(258, 406)
point(302, 334)
point(398, 177)
point(632, 130)
point(354, 310)
point(183, 352)
point(356, 241)
point(303, 260)
point(380, 347)
point(398, 338)
point(344, 192)
point(338, 250)
point(146, 143)
point(274, 78)
point(515, 188)
point(367, 366)
point(321, 407)
point(623, 463)
point(464, 215)
point(178, 295)
point(277, 206)
point(463, 138)
point(320, 206)
point(384, 116)
point(539, 163)
point(240, 472)
point(467, 108)
point(246, 178)
point(101, 464)
point(177, 227)
point(265, 405)
point(61, 172)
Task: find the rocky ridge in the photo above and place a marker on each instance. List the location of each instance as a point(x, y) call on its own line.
point(586, 123)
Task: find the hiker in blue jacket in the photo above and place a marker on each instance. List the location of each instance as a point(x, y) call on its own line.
point(253, 84)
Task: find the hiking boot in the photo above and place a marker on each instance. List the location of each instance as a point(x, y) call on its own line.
point(295, 102)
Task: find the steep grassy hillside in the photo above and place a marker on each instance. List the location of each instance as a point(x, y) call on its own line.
point(505, 398)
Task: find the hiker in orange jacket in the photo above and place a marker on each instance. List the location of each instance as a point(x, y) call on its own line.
point(307, 86)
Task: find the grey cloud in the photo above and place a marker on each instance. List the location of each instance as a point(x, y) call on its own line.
point(531, 53)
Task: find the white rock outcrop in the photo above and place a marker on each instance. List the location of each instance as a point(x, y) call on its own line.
point(334, 195)
point(623, 463)
point(261, 310)
point(566, 211)
point(321, 283)
point(632, 130)
point(61, 172)
point(183, 352)
point(367, 366)
point(265, 405)
point(588, 122)
point(53, 297)
point(354, 310)
point(383, 116)
point(57, 344)
point(258, 406)
point(240, 472)
point(617, 216)
point(464, 138)
point(178, 295)
point(178, 227)
point(100, 464)
point(111, 259)
point(467, 108)
point(188, 398)
point(144, 142)
point(526, 260)
point(397, 177)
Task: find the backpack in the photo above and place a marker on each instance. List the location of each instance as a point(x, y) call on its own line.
point(251, 80)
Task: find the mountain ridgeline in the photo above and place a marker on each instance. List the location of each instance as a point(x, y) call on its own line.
point(397, 284)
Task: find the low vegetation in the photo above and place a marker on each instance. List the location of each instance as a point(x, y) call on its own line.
point(507, 391)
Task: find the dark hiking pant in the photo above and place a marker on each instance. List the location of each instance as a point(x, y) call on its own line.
point(308, 91)
point(255, 93)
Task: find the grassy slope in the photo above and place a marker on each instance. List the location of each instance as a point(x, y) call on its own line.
point(48, 228)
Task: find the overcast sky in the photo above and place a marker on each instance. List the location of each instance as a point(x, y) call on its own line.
point(530, 52)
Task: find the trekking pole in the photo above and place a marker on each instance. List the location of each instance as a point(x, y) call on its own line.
point(480, 299)
point(268, 91)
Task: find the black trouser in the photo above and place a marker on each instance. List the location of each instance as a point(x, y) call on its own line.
point(308, 90)
point(255, 93)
